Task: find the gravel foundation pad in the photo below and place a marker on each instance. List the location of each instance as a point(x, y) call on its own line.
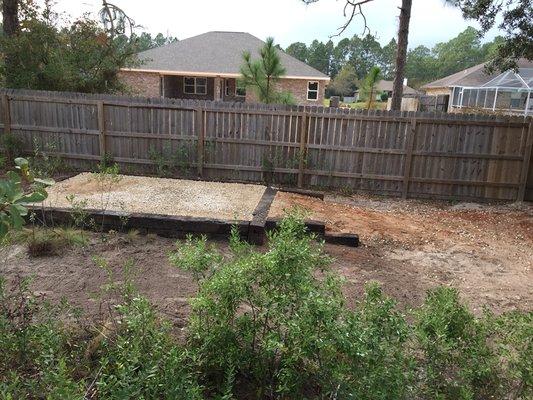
point(175, 197)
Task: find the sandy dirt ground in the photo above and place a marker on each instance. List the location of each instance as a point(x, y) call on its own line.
point(229, 201)
point(408, 246)
point(486, 251)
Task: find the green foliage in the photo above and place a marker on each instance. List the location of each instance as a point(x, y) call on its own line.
point(196, 256)
point(263, 74)
point(42, 358)
point(458, 362)
point(168, 162)
point(423, 64)
point(12, 146)
point(146, 41)
point(142, 360)
point(319, 56)
point(345, 83)
point(298, 50)
point(49, 53)
point(514, 18)
point(512, 338)
point(281, 332)
point(13, 198)
point(79, 213)
point(43, 162)
point(368, 88)
point(264, 324)
point(36, 360)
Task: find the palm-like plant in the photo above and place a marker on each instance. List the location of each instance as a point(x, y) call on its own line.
point(369, 86)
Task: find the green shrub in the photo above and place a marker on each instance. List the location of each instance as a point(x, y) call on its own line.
point(14, 198)
point(142, 361)
point(266, 322)
point(37, 359)
point(457, 360)
point(41, 358)
point(373, 344)
point(12, 145)
point(44, 162)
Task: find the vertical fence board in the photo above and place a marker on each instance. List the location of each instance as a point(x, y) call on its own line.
point(440, 155)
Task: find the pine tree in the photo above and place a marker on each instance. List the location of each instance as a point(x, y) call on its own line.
point(263, 74)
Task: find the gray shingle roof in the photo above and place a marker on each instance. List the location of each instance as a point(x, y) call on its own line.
point(386, 86)
point(473, 76)
point(218, 53)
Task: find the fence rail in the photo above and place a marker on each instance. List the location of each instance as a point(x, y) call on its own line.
point(422, 154)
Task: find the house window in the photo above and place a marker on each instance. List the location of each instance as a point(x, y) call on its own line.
point(240, 91)
point(312, 90)
point(229, 87)
point(194, 85)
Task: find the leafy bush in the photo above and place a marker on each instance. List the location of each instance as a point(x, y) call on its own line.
point(43, 162)
point(142, 360)
point(36, 358)
point(42, 358)
point(264, 325)
point(12, 145)
point(266, 322)
point(458, 362)
point(13, 199)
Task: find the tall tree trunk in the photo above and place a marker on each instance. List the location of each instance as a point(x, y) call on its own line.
point(401, 55)
point(10, 20)
point(10, 14)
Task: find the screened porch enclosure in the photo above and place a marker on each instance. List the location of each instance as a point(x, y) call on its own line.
point(510, 92)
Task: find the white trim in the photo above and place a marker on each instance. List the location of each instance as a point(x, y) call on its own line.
point(213, 74)
point(309, 90)
point(526, 109)
point(195, 85)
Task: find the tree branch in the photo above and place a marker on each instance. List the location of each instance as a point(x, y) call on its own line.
point(352, 9)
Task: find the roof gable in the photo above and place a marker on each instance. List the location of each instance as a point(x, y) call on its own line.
point(217, 53)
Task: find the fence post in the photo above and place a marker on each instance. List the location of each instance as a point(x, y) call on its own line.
point(200, 131)
point(303, 149)
point(7, 114)
point(525, 163)
point(408, 157)
point(101, 128)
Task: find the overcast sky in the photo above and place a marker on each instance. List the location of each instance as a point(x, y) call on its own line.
point(287, 21)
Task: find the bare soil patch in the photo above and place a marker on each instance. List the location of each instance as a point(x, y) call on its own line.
point(486, 251)
point(180, 197)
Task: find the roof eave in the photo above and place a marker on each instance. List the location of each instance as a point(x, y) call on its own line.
point(219, 74)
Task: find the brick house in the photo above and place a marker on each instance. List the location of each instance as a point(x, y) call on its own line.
point(207, 67)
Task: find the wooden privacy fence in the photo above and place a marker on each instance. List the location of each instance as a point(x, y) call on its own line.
point(405, 154)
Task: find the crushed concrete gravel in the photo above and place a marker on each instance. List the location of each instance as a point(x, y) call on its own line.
point(139, 194)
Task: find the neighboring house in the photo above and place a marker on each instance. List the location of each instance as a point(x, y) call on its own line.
point(386, 87)
point(207, 67)
point(472, 88)
point(473, 76)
